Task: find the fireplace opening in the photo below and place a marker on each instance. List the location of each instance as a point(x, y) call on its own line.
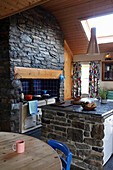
point(37, 86)
point(28, 122)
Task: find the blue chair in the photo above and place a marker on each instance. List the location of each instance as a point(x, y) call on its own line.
point(60, 146)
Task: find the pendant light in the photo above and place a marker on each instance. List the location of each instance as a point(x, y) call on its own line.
point(93, 46)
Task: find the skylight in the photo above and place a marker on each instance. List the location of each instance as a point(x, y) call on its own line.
point(104, 28)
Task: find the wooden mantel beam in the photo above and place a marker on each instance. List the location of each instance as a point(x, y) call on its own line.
point(11, 7)
point(34, 73)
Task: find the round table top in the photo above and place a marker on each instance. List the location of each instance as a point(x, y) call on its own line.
point(38, 155)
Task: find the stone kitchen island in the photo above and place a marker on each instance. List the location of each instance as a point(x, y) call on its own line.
point(82, 131)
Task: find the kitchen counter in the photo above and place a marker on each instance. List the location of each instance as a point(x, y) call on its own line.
point(103, 110)
point(82, 131)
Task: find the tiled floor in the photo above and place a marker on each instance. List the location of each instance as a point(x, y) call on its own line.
point(109, 164)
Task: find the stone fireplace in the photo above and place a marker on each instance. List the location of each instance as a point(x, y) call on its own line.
point(33, 39)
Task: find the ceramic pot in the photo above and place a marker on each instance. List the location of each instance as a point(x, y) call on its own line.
point(28, 97)
point(103, 101)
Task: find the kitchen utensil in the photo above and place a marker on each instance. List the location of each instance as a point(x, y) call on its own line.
point(46, 95)
point(36, 97)
point(28, 97)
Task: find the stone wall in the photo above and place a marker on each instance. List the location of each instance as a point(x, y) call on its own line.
point(35, 40)
point(5, 83)
point(82, 133)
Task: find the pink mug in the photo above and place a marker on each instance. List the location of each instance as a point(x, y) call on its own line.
point(20, 144)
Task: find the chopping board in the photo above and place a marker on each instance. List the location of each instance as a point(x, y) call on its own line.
point(62, 104)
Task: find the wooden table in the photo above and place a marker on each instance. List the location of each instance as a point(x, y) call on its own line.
point(38, 155)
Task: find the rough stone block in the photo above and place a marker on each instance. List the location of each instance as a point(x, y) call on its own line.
point(77, 124)
point(83, 153)
point(82, 146)
point(87, 134)
point(96, 156)
point(65, 124)
point(97, 149)
point(60, 128)
point(87, 127)
point(61, 119)
point(93, 142)
point(97, 131)
point(26, 37)
point(75, 167)
point(73, 117)
point(75, 135)
point(61, 114)
point(83, 165)
point(45, 121)
point(94, 163)
point(94, 119)
point(49, 115)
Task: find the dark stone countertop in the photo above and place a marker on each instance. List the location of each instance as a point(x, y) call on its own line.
point(103, 110)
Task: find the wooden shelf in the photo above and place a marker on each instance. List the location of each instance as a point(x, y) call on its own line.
point(34, 73)
point(107, 61)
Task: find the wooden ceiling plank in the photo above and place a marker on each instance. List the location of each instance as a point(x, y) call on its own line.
point(65, 16)
point(10, 11)
point(56, 6)
point(81, 7)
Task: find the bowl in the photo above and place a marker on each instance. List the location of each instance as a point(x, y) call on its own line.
point(28, 97)
point(88, 108)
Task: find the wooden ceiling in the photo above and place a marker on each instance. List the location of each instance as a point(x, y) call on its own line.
point(68, 13)
point(11, 7)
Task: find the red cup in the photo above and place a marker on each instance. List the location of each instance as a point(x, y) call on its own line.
point(19, 146)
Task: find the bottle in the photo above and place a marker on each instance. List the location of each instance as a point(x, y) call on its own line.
point(22, 96)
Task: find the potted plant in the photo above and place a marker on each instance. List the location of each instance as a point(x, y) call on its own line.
point(103, 95)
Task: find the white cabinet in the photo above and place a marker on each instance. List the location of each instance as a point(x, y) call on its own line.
point(108, 138)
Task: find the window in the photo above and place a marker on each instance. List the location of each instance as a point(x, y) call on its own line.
point(85, 79)
point(104, 28)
